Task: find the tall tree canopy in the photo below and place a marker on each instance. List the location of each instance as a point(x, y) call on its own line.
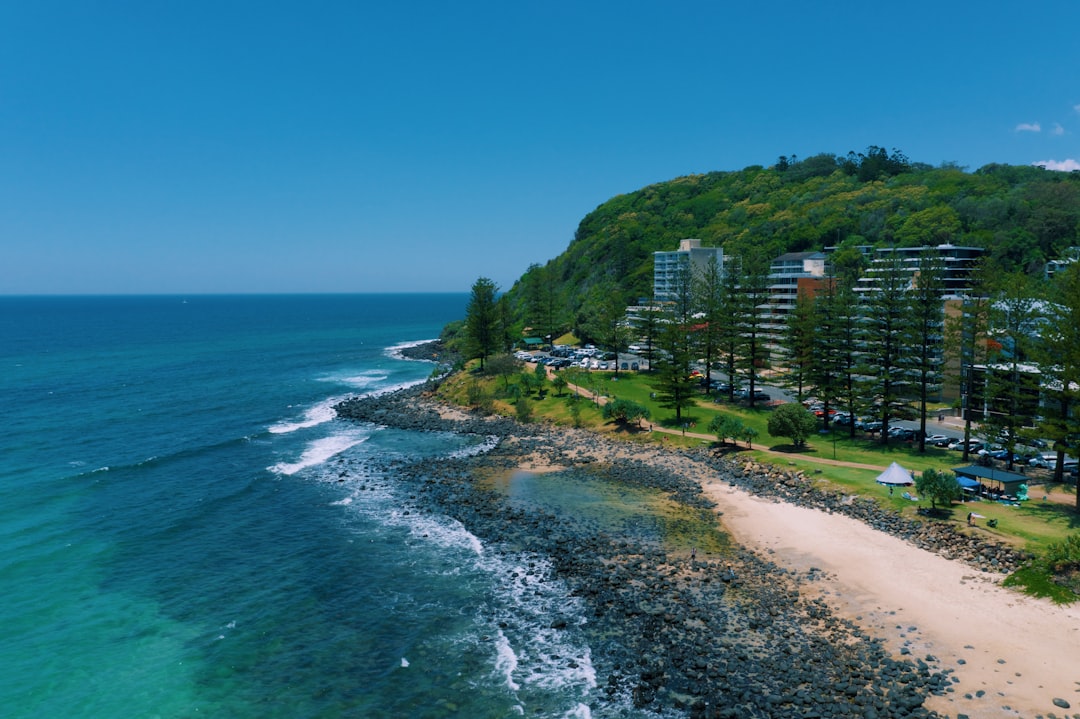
point(482, 335)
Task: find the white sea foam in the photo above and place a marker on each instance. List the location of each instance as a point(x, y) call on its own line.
point(321, 450)
point(506, 661)
point(395, 351)
point(404, 662)
point(320, 413)
point(530, 655)
point(441, 531)
point(363, 380)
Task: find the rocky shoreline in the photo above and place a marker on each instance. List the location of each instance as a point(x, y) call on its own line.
point(715, 635)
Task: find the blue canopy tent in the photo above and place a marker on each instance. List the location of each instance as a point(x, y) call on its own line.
point(968, 483)
point(1003, 484)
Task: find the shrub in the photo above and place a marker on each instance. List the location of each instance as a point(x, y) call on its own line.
point(624, 410)
point(941, 487)
point(723, 427)
point(793, 421)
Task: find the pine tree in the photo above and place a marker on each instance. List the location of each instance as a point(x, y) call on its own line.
point(924, 333)
point(882, 341)
point(1058, 353)
point(709, 300)
point(482, 321)
point(753, 296)
point(728, 336)
point(1011, 389)
point(675, 358)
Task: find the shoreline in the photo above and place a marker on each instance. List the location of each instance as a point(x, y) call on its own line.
point(677, 633)
point(1008, 650)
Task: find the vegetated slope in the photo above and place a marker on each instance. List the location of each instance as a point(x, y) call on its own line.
point(1022, 215)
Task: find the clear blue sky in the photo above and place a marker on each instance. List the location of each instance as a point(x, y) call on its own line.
point(188, 147)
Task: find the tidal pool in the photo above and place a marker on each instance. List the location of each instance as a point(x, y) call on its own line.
point(603, 504)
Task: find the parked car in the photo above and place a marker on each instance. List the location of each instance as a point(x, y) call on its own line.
point(938, 440)
point(1043, 459)
point(1048, 460)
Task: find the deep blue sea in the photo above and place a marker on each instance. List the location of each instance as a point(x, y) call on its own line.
point(175, 540)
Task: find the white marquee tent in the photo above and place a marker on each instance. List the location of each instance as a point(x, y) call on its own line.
point(895, 475)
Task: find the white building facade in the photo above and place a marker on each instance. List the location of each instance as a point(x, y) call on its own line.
point(672, 269)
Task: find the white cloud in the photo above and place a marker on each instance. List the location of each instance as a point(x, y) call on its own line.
point(1029, 127)
point(1062, 166)
point(1058, 129)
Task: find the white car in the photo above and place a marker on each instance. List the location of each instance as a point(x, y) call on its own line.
point(1043, 459)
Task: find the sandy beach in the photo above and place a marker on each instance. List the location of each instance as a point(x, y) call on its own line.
point(1012, 654)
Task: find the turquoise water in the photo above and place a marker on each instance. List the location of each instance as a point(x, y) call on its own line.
point(175, 540)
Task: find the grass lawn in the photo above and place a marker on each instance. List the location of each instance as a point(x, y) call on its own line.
point(1032, 526)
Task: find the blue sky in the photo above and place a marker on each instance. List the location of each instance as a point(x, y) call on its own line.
point(193, 147)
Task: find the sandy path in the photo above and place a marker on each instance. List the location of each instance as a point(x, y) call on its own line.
point(931, 605)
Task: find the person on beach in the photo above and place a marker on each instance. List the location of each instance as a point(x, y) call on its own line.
point(693, 553)
point(971, 522)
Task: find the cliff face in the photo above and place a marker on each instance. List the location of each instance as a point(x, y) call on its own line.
point(1022, 215)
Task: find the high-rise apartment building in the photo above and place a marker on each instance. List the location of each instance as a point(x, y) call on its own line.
point(672, 269)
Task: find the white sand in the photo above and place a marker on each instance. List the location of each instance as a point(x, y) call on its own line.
point(914, 598)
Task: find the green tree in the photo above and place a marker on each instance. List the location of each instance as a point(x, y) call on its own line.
point(482, 321)
point(709, 298)
point(798, 345)
point(724, 426)
point(882, 343)
point(941, 487)
point(728, 336)
point(751, 337)
point(559, 383)
point(1010, 399)
point(523, 409)
point(966, 338)
point(652, 316)
point(625, 411)
point(530, 382)
point(793, 421)
point(541, 300)
point(839, 347)
point(675, 356)
point(607, 321)
point(1058, 353)
point(573, 403)
point(505, 366)
point(924, 331)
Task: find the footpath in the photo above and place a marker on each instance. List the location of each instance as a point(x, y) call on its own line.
point(601, 400)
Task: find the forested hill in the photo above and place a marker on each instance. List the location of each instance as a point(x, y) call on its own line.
point(1022, 215)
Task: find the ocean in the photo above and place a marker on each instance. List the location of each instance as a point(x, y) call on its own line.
point(186, 528)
